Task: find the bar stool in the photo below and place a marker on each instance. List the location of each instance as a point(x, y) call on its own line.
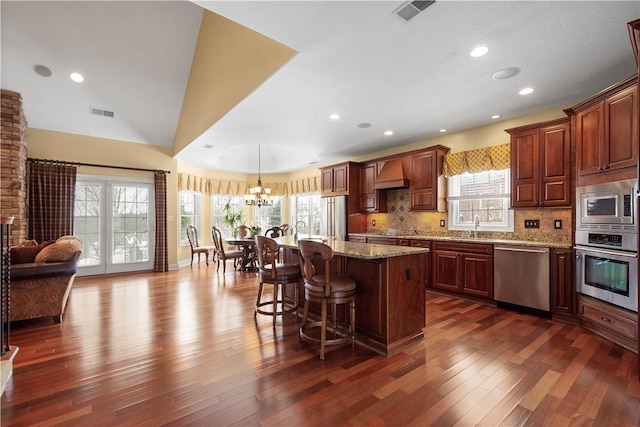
point(327, 289)
point(279, 275)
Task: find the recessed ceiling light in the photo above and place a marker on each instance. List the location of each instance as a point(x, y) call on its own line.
point(388, 132)
point(443, 130)
point(526, 91)
point(334, 116)
point(76, 77)
point(505, 73)
point(479, 51)
point(42, 70)
point(495, 116)
point(364, 125)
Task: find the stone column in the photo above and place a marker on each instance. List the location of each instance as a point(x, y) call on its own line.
point(13, 164)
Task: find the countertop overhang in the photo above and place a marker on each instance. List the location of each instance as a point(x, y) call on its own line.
point(353, 249)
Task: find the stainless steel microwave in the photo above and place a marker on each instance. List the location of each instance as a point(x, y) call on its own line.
point(611, 203)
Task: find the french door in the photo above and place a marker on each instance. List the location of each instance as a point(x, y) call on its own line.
point(114, 220)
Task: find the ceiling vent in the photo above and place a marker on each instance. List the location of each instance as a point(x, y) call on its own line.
point(99, 112)
point(411, 9)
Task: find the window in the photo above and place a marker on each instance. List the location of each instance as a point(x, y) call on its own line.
point(484, 195)
point(190, 213)
point(305, 211)
point(266, 217)
point(218, 212)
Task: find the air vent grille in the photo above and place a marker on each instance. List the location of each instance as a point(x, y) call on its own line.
point(411, 9)
point(104, 113)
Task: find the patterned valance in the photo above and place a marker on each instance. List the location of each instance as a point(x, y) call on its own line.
point(495, 157)
point(225, 186)
point(303, 185)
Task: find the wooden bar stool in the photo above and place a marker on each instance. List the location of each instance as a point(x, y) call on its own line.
point(327, 289)
point(279, 275)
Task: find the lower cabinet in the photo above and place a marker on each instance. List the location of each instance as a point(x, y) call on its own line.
point(463, 268)
point(357, 239)
point(427, 259)
point(563, 288)
point(613, 323)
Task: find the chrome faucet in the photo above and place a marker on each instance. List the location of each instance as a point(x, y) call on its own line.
point(476, 224)
point(295, 235)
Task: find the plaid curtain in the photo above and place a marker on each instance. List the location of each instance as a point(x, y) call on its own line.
point(52, 192)
point(161, 259)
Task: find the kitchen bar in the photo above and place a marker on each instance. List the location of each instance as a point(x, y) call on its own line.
point(390, 294)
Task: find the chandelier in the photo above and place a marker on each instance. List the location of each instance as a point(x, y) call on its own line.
point(259, 196)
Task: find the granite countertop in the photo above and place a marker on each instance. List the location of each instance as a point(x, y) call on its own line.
point(479, 239)
point(352, 249)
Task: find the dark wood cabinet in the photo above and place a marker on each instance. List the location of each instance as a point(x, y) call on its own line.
point(340, 180)
point(563, 288)
point(371, 200)
point(613, 323)
point(427, 185)
point(541, 164)
point(358, 239)
point(606, 134)
point(463, 268)
point(427, 259)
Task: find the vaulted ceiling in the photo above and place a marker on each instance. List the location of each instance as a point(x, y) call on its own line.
point(358, 59)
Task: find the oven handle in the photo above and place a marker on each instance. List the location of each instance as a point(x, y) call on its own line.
point(606, 252)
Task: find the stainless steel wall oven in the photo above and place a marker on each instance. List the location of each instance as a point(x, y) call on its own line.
point(607, 243)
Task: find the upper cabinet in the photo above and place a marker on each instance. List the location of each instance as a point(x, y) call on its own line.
point(427, 185)
point(371, 200)
point(541, 164)
point(340, 180)
point(606, 134)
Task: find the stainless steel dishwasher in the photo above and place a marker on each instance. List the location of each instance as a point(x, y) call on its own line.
point(521, 277)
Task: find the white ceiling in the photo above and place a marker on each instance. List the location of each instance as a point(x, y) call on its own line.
point(356, 58)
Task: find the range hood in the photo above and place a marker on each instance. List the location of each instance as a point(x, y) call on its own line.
point(392, 175)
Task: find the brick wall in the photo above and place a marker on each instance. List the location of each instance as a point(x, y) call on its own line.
point(13, 164)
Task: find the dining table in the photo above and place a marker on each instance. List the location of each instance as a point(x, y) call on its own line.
point(247, 246)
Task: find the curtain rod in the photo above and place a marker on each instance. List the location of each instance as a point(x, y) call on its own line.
point(94, 165)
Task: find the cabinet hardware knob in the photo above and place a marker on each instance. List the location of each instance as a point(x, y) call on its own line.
point(606, 319)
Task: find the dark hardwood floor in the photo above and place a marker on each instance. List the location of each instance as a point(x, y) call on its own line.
point(183, 348)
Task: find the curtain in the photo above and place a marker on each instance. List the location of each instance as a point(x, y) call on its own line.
point(161, 258)
point(52, 191)
point(496, 157)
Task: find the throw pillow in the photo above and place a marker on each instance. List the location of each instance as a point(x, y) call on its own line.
point(57, 252)
point(27, 254)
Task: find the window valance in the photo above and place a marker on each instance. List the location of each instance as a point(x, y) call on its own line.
point(495, 157)
point(240, 188)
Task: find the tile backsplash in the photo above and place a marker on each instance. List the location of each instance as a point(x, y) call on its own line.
point(399, 217)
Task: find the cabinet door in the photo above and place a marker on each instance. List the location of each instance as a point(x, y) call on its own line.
point(477, 275)
point(589, 139)
point(445, 270)
point(555, 176)
point(562, 287)
point(621, 130)
point(423, 181)
point(427, 259)
point(525, 169)
point(371, 200)
point(326, 181)
point(341, 179)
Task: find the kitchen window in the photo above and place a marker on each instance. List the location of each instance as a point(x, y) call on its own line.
point(306, 208)
point(267, 217)
point(484, 195)
point(218, 203)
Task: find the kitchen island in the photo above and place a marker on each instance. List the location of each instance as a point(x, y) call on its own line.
point(390, 294)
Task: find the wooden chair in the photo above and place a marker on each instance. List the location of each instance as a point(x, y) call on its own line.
point(277, 274)
point(221, 253)
point(192, 235)
point(274, 232)
point(327, 289)
point(241, 232)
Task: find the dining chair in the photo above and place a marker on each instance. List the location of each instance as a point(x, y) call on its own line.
point(277, 274)
point(223, 254)
point(192, 236)
point(328, 288)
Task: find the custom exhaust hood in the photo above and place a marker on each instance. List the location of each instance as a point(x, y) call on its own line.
point(392, 175)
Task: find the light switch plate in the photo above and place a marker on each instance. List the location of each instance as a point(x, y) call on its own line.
point(442, 223)
point(531, 223)
point(557, 224)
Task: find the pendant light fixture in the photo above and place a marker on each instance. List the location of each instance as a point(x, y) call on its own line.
point(259, 196)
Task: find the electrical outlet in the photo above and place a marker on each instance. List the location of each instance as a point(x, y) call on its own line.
point(373, 222)
point(442, 223)
point(557, 224)
point(531, 223)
